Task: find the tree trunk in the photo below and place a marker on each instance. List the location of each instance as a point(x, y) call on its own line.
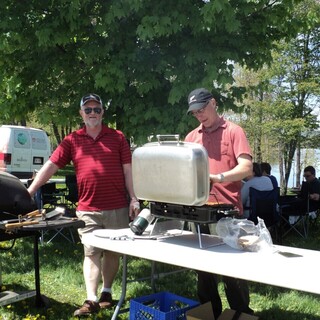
point(283, 186)
point(298, 167)
point(56, 133)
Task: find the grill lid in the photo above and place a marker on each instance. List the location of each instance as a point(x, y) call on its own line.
point(171, 172)
point(14, 196)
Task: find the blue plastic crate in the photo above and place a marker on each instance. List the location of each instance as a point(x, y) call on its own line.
point(160, 306)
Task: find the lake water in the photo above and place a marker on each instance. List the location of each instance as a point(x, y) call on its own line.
point(309, 157)
point(275, 172)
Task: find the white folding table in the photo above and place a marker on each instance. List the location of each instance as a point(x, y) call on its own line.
point(290, 265)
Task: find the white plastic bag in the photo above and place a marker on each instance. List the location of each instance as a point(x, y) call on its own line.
point(244, 234)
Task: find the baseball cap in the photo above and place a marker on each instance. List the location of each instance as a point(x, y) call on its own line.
point(90, 97)
point(198, 98)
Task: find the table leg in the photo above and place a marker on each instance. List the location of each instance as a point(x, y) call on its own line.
point(39, 301)
point(123, 288)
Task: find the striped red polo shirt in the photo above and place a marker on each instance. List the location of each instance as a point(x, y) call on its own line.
point(98, 167)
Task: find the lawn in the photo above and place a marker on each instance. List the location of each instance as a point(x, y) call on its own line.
point(63, 288)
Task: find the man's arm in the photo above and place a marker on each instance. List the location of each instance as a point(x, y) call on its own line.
point(315, 194)
point(44, 174)
point(239, 172)
point(127, 171)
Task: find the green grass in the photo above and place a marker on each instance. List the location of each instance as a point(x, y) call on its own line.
point(63, 288)
point(62, 283)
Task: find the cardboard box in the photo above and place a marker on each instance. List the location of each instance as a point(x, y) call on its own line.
point(229, 314)
point(202, 312)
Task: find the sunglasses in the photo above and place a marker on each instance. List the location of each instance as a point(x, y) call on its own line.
point(200, 111)
point(308, 175)
point(95, 110)
point(92, 97)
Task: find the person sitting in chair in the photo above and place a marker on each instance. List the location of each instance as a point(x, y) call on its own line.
point(266, 171)
point(310, 189)
point(257, 181)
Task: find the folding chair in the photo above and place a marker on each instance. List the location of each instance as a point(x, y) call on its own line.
point(72, 192)
point(59, 230)
point(263, 204)
point(298, 210)
point(313, 220)
point(51, 198)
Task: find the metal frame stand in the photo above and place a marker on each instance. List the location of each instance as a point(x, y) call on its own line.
point(8, 297)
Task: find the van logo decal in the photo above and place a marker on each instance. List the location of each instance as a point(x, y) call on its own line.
point(22, 139)
point(21, 159)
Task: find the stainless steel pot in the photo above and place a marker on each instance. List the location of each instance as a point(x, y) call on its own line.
point(171, 172)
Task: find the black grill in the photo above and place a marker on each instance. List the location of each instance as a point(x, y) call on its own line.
point(15, 199)
point(201, 214)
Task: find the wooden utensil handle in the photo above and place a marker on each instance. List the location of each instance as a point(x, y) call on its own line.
point(20, 224)
point(32, 213)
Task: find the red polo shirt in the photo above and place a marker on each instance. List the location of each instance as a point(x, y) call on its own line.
point(224, 146)
point(98, 167)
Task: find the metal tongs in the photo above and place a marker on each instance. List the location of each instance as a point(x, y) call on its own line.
point(23, 220)
point(31, 218)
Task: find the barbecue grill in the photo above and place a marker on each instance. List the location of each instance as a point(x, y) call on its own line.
point(173, 176)
point(20, 218)
point(15, 201)
point(14, 197)
point(207, 213)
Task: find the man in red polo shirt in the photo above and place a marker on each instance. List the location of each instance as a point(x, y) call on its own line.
point(230, 161)
point(102, 161)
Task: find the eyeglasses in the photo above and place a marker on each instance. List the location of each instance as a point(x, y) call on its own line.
point(91, 96)
point(307, 176)
point(200, 111)
point(95, 110)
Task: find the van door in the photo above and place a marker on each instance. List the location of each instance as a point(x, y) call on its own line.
point(21, 153)
point(40, 148)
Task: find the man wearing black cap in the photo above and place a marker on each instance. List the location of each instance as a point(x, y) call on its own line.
point(230, 161)
point(102, 161)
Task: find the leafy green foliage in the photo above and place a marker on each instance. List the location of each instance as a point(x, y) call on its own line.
point(144, 56)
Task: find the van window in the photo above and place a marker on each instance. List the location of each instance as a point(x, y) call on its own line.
point(38, 140)
point(21, 139)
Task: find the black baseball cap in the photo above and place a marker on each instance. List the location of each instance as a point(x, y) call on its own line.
point(198, 98)
point(90, 97)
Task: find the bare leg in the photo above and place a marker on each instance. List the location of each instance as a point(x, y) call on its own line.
point(110, 267)
point(91, 273)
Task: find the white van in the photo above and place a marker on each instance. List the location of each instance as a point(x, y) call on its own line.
point(23, 150)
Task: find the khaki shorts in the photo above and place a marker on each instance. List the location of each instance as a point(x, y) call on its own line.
point(107, 219)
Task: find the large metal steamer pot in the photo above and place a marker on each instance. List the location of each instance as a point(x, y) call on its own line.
point(171, 172)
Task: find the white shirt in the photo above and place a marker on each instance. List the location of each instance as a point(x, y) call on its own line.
point(260, 183)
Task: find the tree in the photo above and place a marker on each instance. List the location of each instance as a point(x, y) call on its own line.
point(141, 56)
point(297, 79)
point(283, 99)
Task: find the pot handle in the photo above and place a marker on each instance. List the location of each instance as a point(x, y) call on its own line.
point(163, 137)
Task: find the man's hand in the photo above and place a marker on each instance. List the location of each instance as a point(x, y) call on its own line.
point(134, 208)
point(314, 196)
point(216, 178)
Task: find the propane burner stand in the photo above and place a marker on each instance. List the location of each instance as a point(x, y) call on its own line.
point(196, 214)
point(205, 214)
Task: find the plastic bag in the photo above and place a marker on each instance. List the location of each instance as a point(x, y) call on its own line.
point(244, 234)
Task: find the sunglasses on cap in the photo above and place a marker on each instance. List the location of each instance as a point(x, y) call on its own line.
point(90, 97)
point(95, 110)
